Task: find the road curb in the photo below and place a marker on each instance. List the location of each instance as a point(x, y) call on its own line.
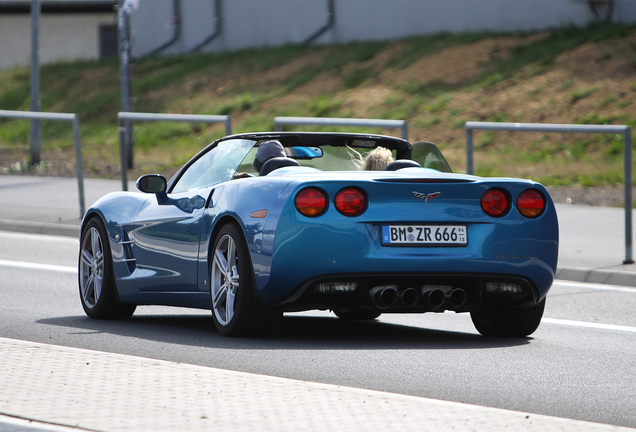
point(600, 276)
point(48, 228)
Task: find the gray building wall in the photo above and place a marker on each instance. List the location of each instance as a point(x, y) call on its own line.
point(62, 37)
point(257, 23)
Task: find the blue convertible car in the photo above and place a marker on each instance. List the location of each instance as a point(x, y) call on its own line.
point(311, 229)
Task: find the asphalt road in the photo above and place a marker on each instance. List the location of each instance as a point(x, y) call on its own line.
point(580, 364)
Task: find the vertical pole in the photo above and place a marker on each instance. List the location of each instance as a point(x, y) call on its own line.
point(628, 195)
point(122, 153)
point(79, 165)
point(36, 144)
point(124, 76)
point(405, 130)
point(228, 126)
point(469, 151)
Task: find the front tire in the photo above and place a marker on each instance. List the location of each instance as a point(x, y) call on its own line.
point(96, 277)
point(509, 321)
point(235, 309)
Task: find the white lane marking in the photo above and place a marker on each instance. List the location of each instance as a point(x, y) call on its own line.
point(594, 286)
point(584, 324)
point(35, 266)
point(26, 425)
point(39, 237)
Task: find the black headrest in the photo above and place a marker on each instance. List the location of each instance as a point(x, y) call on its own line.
point(402, 163)
point(277, 162)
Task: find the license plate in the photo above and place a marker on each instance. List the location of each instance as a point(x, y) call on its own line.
point(424, 235)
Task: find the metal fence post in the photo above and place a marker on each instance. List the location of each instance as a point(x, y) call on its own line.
point(625, 130)
point(36, 141)
point(76, 133)
point(405, 130)
point(124, 71)
point(627, 162)
point(79, 167)
point(470, 169)
point(122, 152)
point(127, 118)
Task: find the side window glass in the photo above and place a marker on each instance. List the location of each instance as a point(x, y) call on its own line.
point(217, 165)
point(429, 156)
point(246, 164)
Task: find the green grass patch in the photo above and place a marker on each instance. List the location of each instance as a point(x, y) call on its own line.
point(324, 105)
point(416, 48)
point(357, 77)
point(581, 94)
point(608, 100)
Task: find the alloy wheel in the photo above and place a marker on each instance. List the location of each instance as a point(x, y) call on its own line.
point(91, 267)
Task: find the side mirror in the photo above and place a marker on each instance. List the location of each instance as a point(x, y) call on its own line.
point(154, 183)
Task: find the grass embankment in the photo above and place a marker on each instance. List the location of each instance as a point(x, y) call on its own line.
point(567, 75)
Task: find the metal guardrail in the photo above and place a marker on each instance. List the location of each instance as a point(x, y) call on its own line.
point(279, 122)
point(131, 116)
point(624, 130)
point(28, 115)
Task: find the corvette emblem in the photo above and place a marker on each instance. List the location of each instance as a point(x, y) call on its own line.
point(426, 197)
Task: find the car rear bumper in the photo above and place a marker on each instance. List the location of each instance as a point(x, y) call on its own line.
point(412, 292)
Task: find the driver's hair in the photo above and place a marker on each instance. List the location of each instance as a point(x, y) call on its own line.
point(377, 159)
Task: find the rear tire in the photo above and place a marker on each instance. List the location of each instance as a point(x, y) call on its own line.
point(96, 277)
point(235, 309)
point(509, 321)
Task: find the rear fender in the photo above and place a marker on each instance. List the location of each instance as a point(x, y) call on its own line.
point(242, 202)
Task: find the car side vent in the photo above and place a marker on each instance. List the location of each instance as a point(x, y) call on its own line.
point(126, 244)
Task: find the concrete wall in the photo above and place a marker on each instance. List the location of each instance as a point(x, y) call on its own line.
point(62, 37)
point(256, 23)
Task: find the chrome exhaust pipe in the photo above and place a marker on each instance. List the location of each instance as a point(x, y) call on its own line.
point(434, 298)
point(457, 298)
point(384, 296)
point(410, 297)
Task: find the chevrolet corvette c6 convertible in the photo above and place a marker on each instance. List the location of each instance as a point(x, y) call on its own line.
point(313, 230)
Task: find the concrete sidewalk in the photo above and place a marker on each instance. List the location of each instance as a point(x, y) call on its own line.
point(112, 392)
point(592, 239)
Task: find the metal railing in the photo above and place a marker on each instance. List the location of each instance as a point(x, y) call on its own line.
point(130, 116)
point(279, 122)
point(624, 130)
point(27, 115)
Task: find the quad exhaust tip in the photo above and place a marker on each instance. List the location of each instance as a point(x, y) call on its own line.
point(410, 297)
point(457, 298)
point(434, 299)
point(384, 296)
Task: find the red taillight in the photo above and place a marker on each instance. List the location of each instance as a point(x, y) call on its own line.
point(311, 202)
point(351, 201)
point(531, 203)
point(495, 202)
